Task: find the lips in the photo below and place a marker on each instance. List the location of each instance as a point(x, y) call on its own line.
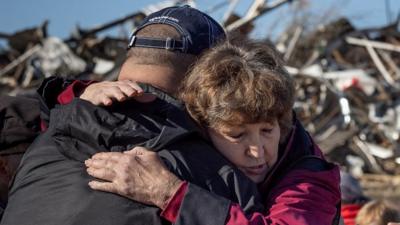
point(256, 170)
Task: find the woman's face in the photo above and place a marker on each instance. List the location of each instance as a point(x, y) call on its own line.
point(253, 148)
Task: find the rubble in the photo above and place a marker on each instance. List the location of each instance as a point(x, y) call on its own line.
point(33, 55)
point(348, 89)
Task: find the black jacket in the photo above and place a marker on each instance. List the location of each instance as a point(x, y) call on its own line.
point(51, 184)
point(19, 125)
point(19, 121)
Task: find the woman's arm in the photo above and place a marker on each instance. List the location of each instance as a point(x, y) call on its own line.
point(100, 93)
point(57, 90)
point(302, 198)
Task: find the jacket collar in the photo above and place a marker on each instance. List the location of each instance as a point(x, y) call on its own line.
point(298, 144)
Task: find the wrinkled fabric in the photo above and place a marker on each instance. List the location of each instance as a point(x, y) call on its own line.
point(51, 182)
point(57, 90)
point(19, 121)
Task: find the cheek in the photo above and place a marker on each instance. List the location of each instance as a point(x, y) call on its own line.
point(231, 153)
point(274, 157)
point(273, 148)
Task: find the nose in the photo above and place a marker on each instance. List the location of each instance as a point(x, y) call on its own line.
point(256, 151)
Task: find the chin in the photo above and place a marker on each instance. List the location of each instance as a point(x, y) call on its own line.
point(257, 179)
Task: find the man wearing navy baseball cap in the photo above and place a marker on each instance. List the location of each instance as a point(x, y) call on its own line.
point(51, 186)
point(197, 31)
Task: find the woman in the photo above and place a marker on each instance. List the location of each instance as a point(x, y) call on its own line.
point(242, 97)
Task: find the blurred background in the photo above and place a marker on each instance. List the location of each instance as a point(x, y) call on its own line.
point(344, 55)
point(64, 16)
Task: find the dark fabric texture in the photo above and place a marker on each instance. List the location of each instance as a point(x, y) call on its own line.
point(193, 214)
point(48, 91)
point(1, 211)
point(51, 183)
point(19, 121)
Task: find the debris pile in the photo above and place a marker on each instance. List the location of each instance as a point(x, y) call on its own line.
point(348, 88)
point(33, 56)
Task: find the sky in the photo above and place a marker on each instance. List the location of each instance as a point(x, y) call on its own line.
point(65, 15)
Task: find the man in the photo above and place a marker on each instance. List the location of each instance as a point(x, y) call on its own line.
point(51, 186)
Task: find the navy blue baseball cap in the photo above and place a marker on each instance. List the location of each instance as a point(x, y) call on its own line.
point(198, 30)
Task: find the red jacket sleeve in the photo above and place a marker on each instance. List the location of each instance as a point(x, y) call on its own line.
point(303, 197)
point(72, 91)
point(171, 211)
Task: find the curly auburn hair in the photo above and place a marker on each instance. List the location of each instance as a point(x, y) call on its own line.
point(235, 83)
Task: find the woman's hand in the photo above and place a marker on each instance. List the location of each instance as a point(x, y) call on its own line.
point(138, 174)
point(104, 93)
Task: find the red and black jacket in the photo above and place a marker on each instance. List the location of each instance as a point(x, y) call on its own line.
point(51, 183)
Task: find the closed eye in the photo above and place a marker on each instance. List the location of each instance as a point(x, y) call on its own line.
point(266, 130)
point(235, 136)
